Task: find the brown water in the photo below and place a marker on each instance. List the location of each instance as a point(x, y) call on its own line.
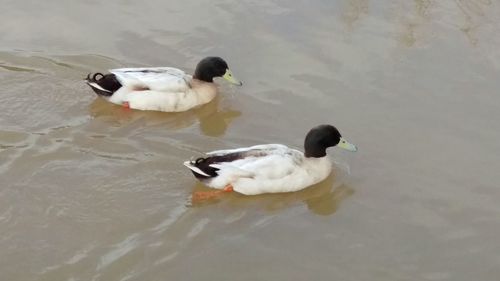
point(90, 191)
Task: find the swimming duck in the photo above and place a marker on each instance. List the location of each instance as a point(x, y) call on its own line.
point(161, 88)
point(270, 168)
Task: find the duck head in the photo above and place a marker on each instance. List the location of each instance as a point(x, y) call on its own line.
point(322, 137)
point(211, 67)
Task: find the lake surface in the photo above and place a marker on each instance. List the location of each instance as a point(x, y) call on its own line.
point(91, 191)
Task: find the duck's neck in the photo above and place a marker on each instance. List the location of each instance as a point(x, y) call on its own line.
point(204, 90)
point(318, 168)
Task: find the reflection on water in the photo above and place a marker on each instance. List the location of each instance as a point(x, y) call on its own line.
point(329, 203)
point(470, 18)
point(422, 7)
point(474, 17)
point(216, 124)
point(213, 120)
point(417, 19)
point(354, 10)
point(323, 198)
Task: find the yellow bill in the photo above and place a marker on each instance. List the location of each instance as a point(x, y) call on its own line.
point(347, 145)
point(230, 78)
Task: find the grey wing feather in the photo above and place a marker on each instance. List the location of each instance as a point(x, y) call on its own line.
point(154, 78)
point(252, 149)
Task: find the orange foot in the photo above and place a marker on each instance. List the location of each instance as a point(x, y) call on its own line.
point(126, 105)
point(200, 196)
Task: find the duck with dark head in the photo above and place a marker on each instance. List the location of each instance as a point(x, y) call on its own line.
point(162, 88)
point(270, 168)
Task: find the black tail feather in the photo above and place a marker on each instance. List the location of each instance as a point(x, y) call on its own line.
point(204, 163)
point(108, 82)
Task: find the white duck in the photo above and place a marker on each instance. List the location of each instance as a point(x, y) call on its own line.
point(270, 168)
point(162, 88)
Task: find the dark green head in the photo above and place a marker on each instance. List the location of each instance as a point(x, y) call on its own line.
point(322, 137)
point(211, 67)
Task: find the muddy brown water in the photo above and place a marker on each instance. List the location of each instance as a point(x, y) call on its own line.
point(90, 191)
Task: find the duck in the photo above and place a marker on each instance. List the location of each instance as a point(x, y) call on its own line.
point(165, 89)
point(270, 168)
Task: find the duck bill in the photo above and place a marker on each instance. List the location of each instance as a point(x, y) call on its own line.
point(230, 78)
point(347, 145)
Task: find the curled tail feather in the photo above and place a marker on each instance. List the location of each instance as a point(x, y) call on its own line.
point(103, 84)
point(208, 167)
point(197, 172)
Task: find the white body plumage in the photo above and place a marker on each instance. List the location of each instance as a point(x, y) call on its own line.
point(161, 89)
point(269, 168)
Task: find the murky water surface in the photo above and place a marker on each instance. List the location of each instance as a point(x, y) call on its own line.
point(90, 191)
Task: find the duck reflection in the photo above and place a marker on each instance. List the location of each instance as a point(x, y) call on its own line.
point(213, 119)
point(323, 198)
